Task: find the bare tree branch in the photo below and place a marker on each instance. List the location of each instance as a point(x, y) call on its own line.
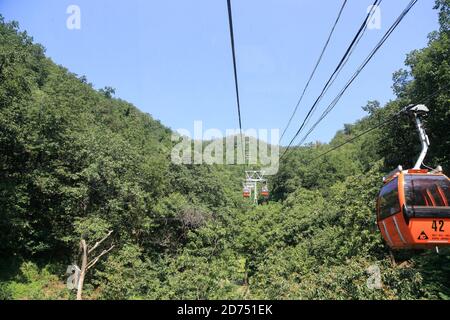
point(93, 262)
point(86, 264)
point(99, 242)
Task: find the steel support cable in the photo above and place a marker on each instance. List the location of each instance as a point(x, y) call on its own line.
point(336, 71)
point(381, 124)
point(315, 68)
point(359, 70)
point(345, 62)
point(354, 138)
point(233, 50)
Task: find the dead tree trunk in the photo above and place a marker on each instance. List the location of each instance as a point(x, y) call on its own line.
point(87, 263)
point(84, 252)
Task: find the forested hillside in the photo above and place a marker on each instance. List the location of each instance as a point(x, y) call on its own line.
point(78, 162)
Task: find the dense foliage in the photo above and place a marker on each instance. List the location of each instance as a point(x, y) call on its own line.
point(75, 161)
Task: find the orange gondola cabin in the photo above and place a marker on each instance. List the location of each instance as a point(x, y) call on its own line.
point(265, 192)
point(246, 193)
point(413, 209)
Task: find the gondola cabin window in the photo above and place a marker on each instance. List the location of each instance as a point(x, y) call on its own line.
point(389, 203)
point(427, 196)
point(427, 191)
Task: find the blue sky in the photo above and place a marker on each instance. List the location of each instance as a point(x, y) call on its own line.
point(172, 58)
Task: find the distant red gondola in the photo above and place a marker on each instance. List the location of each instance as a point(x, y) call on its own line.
point(265, 192)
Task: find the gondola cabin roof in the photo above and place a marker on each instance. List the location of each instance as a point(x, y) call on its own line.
point(399, 170)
